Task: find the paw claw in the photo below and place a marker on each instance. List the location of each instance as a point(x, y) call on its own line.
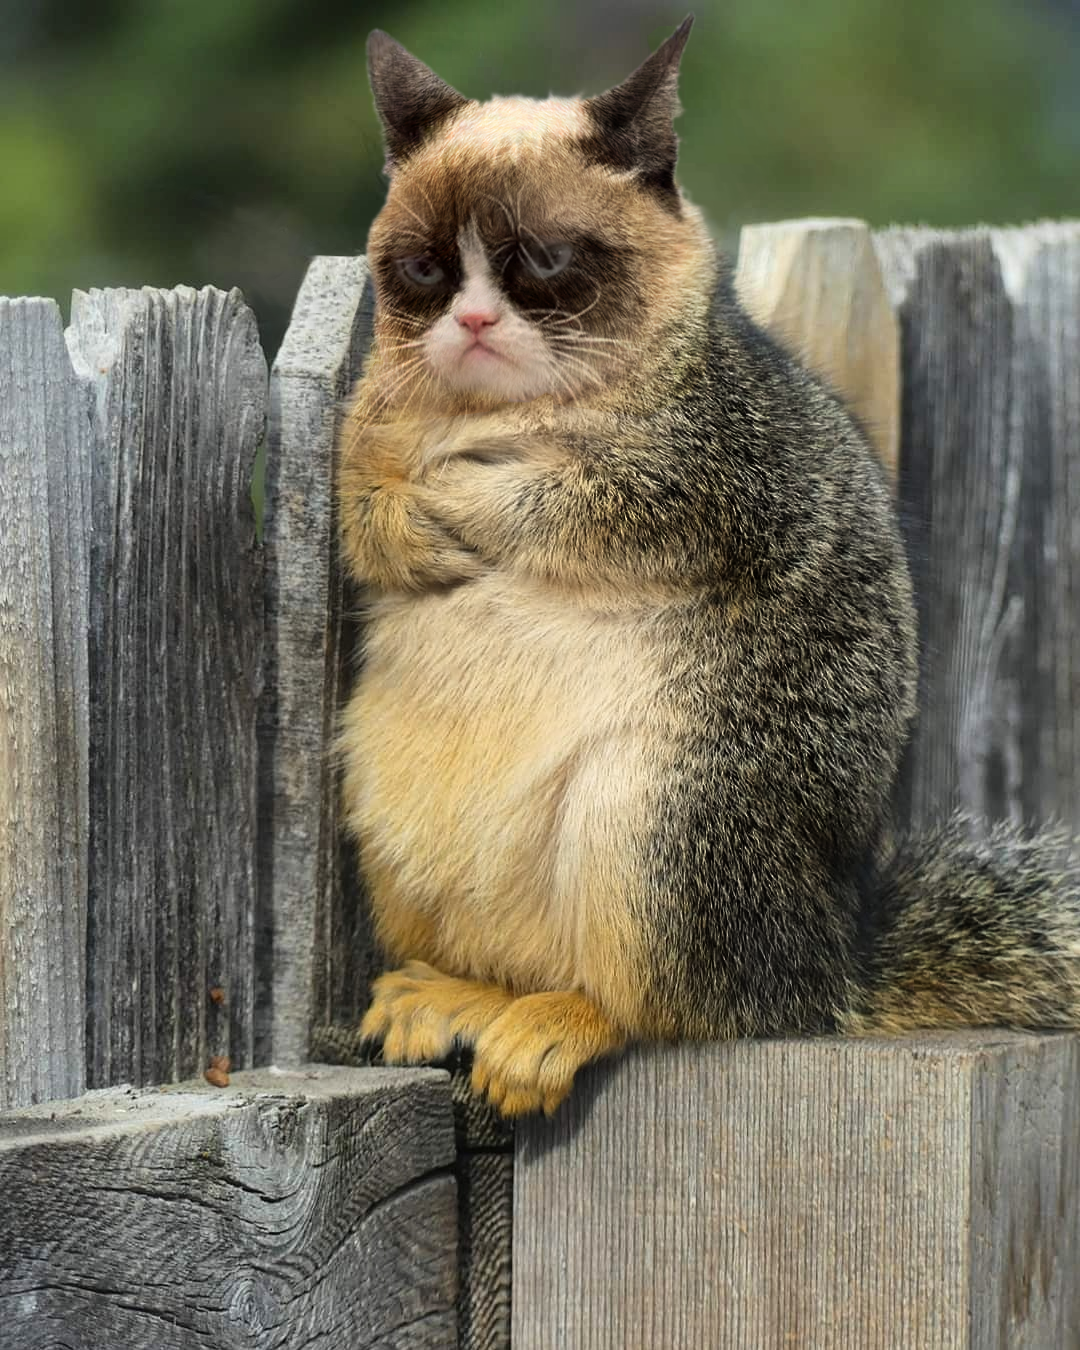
point(480, 1078)
point(374, 1024)
point(519, 1102)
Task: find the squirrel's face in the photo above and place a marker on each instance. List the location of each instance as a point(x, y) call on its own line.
point(524, 251)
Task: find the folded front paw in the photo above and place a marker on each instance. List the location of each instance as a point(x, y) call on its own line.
point(527, 1058)
point(420, 1014)
point(403, 1015)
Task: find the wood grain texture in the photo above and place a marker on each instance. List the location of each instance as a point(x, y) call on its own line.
point(844, 1195)
point(291, 1210)
point(314, 921)
point(476, 1124)
point(485, 1232)
point(179, 386)
point(45, 437)
point(816, 285)
point(485, 1176)
point(990, 484)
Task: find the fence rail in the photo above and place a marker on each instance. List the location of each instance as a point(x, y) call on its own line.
point(173, 887)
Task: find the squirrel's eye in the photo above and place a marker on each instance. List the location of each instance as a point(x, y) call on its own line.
point(421, 271)
point(546, 259)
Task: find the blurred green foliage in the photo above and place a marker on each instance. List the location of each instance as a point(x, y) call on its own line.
point(226, 141)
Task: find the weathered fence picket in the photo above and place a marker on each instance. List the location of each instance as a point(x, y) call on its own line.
point(179, 384)
point(990, 479)
point(817, 286)
point(173, 885)
point(45, 433)
point(315, 934)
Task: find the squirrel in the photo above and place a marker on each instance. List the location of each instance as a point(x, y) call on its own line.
point(640, 654)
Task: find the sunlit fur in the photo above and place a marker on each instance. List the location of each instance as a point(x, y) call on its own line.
point(639, 659)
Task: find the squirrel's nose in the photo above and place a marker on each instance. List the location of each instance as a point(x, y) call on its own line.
point(477, 319)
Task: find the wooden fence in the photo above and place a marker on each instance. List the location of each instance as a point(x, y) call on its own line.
point(174, 892)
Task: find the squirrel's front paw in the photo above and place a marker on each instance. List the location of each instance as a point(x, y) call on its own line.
point(419, 1013)
point(527, 1058)
point(402, 1015)
point(398, 546)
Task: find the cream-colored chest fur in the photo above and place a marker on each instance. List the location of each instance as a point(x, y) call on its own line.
point(498, 749)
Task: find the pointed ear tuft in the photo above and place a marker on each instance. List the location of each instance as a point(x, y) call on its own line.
point(410, 98)
point(634, 121)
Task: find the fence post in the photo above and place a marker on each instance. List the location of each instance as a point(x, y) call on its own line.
point(290, 1210)
point(833, 1194)
point(44, 546)
point(179, 390)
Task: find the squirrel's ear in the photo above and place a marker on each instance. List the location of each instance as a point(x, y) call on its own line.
point(634, 120)
point(409, 97)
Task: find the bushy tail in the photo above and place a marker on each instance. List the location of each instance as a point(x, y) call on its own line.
point(966, 931)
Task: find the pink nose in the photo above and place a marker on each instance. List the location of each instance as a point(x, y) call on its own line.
point(477, 319)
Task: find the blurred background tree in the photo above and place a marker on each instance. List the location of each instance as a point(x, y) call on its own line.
point(226, 141)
